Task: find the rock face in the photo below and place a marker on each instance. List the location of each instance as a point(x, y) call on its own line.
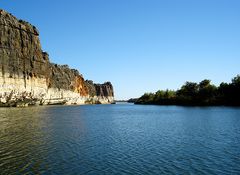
point(27, 77)
point(100, 93)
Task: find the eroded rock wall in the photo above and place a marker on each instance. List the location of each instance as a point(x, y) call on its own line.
point(27, 76)
point(100, 93)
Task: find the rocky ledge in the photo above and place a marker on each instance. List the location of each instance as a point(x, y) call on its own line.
point(28, 78)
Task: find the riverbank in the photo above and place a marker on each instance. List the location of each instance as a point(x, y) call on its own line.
point(197, 94)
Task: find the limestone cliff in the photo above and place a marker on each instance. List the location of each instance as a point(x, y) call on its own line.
point(27, 77)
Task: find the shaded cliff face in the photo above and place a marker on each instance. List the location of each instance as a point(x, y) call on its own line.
point(62, 77)
point(20, 49)
point(101, 90)
point(28, 77)
point(100, 93)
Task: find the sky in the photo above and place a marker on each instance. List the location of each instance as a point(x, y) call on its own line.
point(139, 45)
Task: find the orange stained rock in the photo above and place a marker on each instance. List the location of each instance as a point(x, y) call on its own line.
point(80, 87)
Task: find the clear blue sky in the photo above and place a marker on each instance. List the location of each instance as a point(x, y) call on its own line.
point(139, 45)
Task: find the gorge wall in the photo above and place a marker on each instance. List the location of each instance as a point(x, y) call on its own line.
point(28, 78)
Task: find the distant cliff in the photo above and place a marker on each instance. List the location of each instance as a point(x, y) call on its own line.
point(28, 78)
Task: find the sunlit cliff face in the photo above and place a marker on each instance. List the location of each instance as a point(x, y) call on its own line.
point(28, 77)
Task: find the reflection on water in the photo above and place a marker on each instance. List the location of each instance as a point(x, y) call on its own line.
point(119, 139)
point(22, 139)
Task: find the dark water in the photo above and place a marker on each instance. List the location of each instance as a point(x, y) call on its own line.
point(119, 139)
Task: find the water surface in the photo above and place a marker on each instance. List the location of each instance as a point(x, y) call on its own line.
point(119, 139)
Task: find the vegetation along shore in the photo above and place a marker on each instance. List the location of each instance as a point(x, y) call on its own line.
point(197, 94)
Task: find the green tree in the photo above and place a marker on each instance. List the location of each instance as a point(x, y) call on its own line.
point(203, 93)
point(207, 92)
point(235, 91)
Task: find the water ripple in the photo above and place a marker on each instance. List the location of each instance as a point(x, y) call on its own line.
point(119, 139)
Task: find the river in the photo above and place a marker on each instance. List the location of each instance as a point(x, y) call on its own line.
point(119, 139)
